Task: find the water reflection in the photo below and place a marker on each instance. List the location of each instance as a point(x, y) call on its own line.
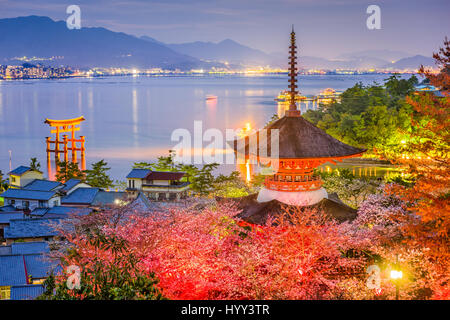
point(170, 103)
point(134, 114)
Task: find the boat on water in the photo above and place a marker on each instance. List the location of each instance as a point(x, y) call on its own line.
point(285, 96)
point(211, 97)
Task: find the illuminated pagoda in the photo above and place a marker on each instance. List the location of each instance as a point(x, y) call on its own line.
point(302, 147)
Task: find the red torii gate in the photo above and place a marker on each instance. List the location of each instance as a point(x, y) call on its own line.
point(67, 143)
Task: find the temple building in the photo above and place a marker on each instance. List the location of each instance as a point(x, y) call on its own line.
point(302, 147)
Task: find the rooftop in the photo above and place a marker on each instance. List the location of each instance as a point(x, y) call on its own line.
point(69, 184)
point(16, 268)
point(81, 196)
point(29, 247)
point(30, 228)
point(59, 211)
point(6, 217)
point(165, 175)
point(108, 197)
point(42, 185)
point(38, 266)
point(138, 173)
point(12, 271)
point(19, 171)
point(300, 139)
point(26, 292)
point(27, 194)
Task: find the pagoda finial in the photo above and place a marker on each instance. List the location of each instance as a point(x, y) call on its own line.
point(293, 92)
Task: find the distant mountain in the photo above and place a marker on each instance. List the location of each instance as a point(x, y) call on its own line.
point(87, 47)
point(412, 63)
point(225, 51)
point(146, 38)
point(387, 55)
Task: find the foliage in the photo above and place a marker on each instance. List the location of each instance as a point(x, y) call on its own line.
point(203, 182)
point(378, 231)
point(34, 164)
point(3, 184)
point(350, 189)
point(108, 272)
point(208, 254)
point(272, 120)
point(97, 176)
point(368, 116)
point(231, 186)
point(67, 170)
point(426, 154)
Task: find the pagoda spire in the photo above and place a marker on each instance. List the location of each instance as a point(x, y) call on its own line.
point(293, 92)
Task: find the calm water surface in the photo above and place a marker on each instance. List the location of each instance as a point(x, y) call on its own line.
point(131, 119)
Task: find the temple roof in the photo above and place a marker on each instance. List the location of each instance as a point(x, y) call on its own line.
point(258, 212)
point(300, 139)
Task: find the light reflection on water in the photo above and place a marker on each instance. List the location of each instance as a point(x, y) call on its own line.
point(131, 119)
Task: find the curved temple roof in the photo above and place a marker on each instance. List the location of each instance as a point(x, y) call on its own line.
point(299, 139)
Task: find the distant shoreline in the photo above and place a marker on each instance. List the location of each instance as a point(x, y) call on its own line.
point(205, 74)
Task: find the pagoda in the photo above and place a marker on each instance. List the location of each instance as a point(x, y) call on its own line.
point(302, 147)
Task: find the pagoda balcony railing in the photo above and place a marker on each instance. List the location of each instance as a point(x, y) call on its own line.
point(311, 183)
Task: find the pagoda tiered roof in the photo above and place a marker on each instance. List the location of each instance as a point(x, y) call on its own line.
point(300, 139)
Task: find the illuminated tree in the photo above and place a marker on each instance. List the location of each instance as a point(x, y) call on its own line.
point(426, 154)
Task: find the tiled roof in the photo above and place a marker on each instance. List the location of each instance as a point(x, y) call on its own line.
point(8, 208)
point(141, 203)
point(26, 292)
point(30, 228)
point(81, 196)
point(12, 271)
point(6, 217)
point(42, 185)
point(138, 173)
point(165, 175)
point(38, 266)
point(40, 212)
point(5, 250)
point(64, 212)
point(20, 170)
point(108, 197)
point(29, 247)
point(27, 194)
point(69, 184)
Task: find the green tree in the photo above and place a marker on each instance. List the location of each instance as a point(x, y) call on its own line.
point(3, 184)
point(203, 182)
point(68, 170)
point(35, 165)
point(97, 176)
point(230, 186)
point(400, 87)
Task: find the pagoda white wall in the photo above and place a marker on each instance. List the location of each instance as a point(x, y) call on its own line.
point(300, 198)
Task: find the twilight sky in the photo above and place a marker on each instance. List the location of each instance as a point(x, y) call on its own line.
point(325, 28)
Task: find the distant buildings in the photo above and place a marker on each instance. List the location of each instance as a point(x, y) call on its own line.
point(28, 190)
point(29, 71)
